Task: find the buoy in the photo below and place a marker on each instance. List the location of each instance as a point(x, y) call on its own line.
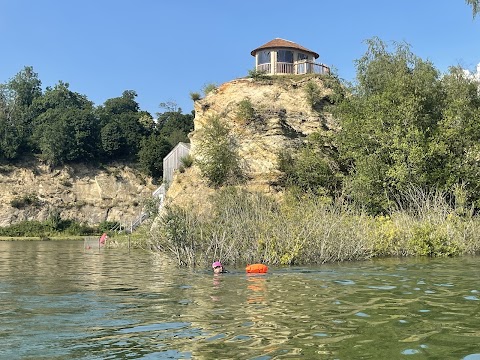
point(257, 268)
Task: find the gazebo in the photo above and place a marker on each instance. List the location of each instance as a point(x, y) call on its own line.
point(281, 56)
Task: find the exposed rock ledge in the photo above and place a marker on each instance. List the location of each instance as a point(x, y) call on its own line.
point(80, 192)
point(283, 117)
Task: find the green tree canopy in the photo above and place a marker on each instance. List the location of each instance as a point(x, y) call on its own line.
point(402, 125)
point(16, 112)
point(66, 128)
point(174, 126)
point(123, 126)
point(154, 148)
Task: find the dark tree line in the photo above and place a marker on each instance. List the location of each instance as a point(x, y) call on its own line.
point(62, 126)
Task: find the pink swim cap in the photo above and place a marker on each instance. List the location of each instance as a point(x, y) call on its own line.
point(217, 264)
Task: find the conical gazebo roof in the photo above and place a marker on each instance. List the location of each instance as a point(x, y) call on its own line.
point(281, 43)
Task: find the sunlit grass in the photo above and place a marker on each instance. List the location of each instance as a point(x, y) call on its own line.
point(248, 227)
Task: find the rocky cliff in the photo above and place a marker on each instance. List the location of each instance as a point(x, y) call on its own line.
point(283, 115)
point(81, 192)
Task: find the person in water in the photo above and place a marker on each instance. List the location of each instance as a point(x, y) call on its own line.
point(218, 268)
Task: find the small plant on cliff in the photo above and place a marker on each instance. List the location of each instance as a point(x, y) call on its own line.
point(187, 161)
point(245, 110)
point(257, 74)
point(208, 88)
point(313, 93)
point(25, 201)
point(218, 159)
point(195, 96)
point(66, 183)
point(151, 206)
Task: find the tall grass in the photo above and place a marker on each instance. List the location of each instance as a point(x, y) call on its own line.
point(245, 227)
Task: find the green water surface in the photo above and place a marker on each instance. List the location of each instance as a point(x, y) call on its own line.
point(60, 301)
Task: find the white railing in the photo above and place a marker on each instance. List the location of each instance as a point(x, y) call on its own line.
point(264, 68)
point(284, 68)
point(300, 67)
point(310, 67)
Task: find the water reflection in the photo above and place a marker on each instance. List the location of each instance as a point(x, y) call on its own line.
point(59, 301)
point(258, 288)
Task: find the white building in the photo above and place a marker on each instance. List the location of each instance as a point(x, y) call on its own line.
point(281, 56)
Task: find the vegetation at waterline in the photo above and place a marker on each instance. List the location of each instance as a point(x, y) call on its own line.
point(54, 226)
point(244, 227)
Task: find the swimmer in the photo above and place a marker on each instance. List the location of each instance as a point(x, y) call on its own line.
point(218, 268)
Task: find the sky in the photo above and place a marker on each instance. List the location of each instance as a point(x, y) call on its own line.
point(166, 49)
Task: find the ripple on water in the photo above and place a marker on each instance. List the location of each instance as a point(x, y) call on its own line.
point(410, 352)
point(362, 314)
point(345, 282)
point(155, 327)
point(132, 307)
point(384, 287)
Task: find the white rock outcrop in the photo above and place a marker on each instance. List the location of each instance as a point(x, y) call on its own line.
point(283, 117)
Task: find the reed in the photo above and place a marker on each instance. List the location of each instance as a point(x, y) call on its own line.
point(245, 227)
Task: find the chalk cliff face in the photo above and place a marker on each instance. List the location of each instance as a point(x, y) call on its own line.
point(283, 117)
point(79, 192)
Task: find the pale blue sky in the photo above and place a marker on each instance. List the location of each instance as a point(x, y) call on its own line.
point(164, 50)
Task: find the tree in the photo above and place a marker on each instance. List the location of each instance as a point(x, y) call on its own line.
point(10, 139)
point(121, 120)
point(313, 168)
point(475, 4)
point(218, 159)
point(174, 126)
point(389, 125)
point(16, 112)
point(66, 129)
point(153, 149)
point(459, 137)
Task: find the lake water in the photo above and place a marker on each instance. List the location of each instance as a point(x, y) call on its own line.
point(59, 301)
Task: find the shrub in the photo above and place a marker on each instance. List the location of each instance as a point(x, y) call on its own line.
point(195, 96)
point(25, 201)
point(180, 236)
point(245, 111)
point(106, 226)
point(257, 74)
point(66, 183)
point(151, 205)
point(386, 236)
point(218, 159)
point(249, 227)
point(54, 219)
point(430, 240)
point(26, 228)
point(208, 88)
point(313, 93)
point(187, 161)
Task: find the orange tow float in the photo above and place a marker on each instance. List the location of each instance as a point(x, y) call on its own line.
point(256, 268)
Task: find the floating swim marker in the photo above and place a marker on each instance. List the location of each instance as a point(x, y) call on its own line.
point(256, 269)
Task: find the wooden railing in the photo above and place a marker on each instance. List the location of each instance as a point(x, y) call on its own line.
point(310, 67)
point(300, 67)
point(264, 68)
point(284, 68)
